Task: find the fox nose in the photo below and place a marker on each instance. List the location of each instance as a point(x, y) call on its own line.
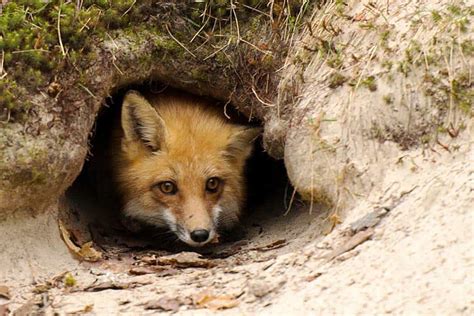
point(200, 235)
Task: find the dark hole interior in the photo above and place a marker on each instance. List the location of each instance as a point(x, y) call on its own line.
point(91, 214)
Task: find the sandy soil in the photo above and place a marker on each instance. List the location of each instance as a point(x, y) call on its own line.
point(414, 256)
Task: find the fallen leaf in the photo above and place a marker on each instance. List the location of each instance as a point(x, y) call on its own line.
point(89, 253)
point(42, 288)
point(215, 302)
point(148, 260)
point(359, 17)
point(85, 252)
point(185, 260)
point(5, 292)
point(141, 271)
point(313, 277)
point(157, 271)
point(88, 308)
point(114, 285)
point(274, 245)
point(353, 242)
point(369, 220)
point(164, 303)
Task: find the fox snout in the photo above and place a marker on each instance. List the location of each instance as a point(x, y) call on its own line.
point(196, 229)
point(197, 237)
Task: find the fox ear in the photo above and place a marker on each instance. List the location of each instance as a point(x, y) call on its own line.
point(141, 122)
point(241, 142)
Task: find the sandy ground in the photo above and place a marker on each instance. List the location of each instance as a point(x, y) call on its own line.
point(414, 256)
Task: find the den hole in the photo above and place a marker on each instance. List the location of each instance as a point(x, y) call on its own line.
point(90, 214)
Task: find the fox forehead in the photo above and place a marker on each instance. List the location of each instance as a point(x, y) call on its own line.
point(195, 166)
point(193, 129)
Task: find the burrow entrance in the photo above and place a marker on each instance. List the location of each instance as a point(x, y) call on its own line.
point(268, 224)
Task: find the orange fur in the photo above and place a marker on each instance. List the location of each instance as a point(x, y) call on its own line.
point(182, 140)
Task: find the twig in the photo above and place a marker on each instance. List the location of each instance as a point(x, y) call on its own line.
point(291, 202)
point(87, 90)
point(261, 101)
point(256, 47)
point(179, 43)
point(2, 75)
point(217, 51)
point(130, 8)
point(30, 50)
point(200, 30)
point(59, 32)
point(256, 10)
point(232, 7)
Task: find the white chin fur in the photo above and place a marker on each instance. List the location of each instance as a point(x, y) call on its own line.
point(170, 219)
point(216, 212)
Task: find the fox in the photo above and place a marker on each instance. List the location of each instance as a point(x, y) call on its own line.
point(179, 164)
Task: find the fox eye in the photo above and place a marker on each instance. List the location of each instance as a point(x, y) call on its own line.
point(167, 187)
point(212, 184)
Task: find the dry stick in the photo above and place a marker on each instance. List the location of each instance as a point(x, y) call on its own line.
point(271, 11)
point(259, 99)
point(2, 75)
point(291, 202)
point(297, 20)
point(256, 10)
point(200, 30)
point(179, 43)
point(228, 102)
point(59, 32)
point(372, 53)
point(451, 101)
point(256, 47)
point(232, 7)
point(130, 8)
point(87, 90)
point(217, 51)
point(85, 25)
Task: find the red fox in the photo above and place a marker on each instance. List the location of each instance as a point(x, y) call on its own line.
point(179, 164)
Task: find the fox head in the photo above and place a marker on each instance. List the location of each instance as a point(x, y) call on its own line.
point(181, 166)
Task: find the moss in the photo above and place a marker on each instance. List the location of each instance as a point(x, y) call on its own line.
point(387, 64)
point(436, 16)
point(462, 92)
point(404, 67)
point(336, 80)
point(37, 37)
point(10, 95)
point(388, 99)
point(443, 91)
point(369, 83)
point(167, 44)
point(43, 39)
point(384, 36)
point(209, 13)
point(467, 47)
point(335, 61)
